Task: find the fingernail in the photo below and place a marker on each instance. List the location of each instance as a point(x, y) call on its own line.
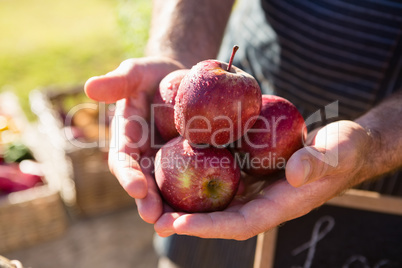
point(306, 167)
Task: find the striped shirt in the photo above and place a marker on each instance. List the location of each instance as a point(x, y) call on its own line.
point(314, 53)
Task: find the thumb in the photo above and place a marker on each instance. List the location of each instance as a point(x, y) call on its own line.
point(112, 86)
point(310, 164)
point(130, 78)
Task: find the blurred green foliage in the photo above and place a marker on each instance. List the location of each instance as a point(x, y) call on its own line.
point(60, 43)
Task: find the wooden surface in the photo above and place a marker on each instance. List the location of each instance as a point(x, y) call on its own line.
point(371, 201)
point(265, 249)
point(120, 239)
point(364, 201)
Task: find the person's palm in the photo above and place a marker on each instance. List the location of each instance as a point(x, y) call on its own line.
point(131, 86)
point(314, 174)
point(334, 158)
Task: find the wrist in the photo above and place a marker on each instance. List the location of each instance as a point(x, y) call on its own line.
point(181, 58)
point(372, 151)
point(383, 125)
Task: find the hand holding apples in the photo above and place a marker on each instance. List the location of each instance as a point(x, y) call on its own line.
point(124, 84)
point(129, 86)
point(205, 115)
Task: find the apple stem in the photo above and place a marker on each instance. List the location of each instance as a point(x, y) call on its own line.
point(235, 48)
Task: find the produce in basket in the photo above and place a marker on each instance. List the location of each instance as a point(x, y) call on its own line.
point(18, 170)
point(16, 152)
point(19, 176)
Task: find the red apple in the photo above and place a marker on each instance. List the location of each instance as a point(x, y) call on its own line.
point(194, 179)
point(216, 103)
point(164, 100)
point(279, 131)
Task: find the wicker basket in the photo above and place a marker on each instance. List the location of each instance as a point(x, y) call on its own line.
point(95, 189)
point(34, 215)
point(31, 216)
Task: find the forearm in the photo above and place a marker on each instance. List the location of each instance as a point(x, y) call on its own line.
point(188, 30)
point(384, 125)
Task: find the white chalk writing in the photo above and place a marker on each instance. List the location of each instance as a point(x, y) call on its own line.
point(315, 238)
point(321, 228)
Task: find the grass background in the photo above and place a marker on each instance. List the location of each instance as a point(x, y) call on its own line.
point(62, 43)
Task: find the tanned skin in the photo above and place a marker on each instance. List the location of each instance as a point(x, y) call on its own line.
point(184, 33)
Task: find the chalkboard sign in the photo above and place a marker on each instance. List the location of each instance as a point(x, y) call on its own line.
point(356, 230)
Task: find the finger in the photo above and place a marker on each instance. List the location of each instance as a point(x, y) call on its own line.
point(130, 127)
point(307, 165)
point(335, 151)
point(113, 86)
point(128, 172)
point(241, 223)
point(238, 225)
point(125, 150)
point(138, 185)
point(130, 78)
point(207, 225)
point(150, 208)
point(277, 203)
point(316, 161)
point(165, 220)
